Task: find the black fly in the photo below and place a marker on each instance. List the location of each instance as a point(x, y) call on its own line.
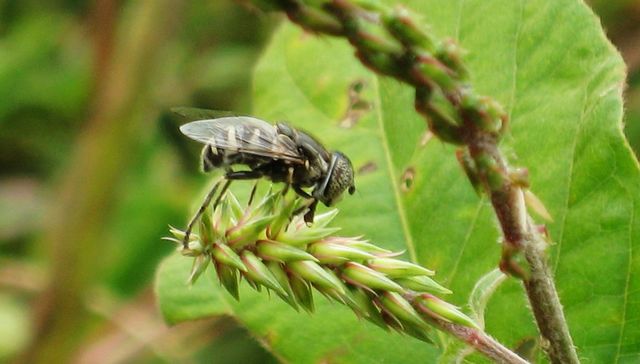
point(278, 152)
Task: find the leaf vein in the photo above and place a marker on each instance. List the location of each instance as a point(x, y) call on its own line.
point(626, 284)
point(516, 40)
point(394, 183)
point(467, 237)
point(572, 159)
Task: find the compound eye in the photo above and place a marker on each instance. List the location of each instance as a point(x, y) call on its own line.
point(352, 190)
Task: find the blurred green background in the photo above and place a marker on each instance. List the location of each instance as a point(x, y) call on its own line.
point(92, 167)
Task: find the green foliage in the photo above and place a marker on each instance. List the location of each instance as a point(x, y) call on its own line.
point(561, 84)
point(48, 75)
point(13, 326)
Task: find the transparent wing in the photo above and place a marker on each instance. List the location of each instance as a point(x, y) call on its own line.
point(243, 134)
point(194, 113)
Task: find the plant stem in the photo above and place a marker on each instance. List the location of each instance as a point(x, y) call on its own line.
point(546, 305)
point(482, 342)
point(518, 232)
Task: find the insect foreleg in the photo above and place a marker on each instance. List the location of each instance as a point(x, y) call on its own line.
point(311, 210)
point(201, 210)
point(289, 181)
point(301, 192)
point(309, 215)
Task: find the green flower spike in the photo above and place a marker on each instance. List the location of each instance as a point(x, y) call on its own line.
point(335, 253)
point(283, 278)
point(358, 243)
point(273, 250)
point(314, 273)
point(302, 291)
point(228, 277)
point(258, 273)
point(268, 247)
point(437, 308)
point(246, 233)
point(422, 284)
point(394, 304)
point(200, 264)
point(395, 268)
point(368, 278)
point(225, 255)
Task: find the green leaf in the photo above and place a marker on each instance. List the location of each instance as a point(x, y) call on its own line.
point(180, 301)
point(455, 351)
point(550, 65)
point(482, 293)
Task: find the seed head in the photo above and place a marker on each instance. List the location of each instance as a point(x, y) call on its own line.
point(270, 248)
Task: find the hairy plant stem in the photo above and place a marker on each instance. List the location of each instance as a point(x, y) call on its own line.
point(390, 43)
point(546, 305)
point(520, 235)
point(482, 342)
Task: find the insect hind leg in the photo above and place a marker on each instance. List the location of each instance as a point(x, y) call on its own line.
point(203, 207)
point(222, 192)
point(201, 210)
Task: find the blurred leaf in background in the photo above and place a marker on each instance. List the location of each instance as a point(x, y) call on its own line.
point(621, 20)
point(56, 60)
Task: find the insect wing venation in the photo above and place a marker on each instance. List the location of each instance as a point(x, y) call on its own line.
point(243, 134)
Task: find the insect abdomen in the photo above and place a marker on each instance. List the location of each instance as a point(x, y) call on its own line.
point(226, 149)
point(211, 158)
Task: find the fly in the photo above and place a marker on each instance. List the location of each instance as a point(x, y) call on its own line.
point(280, 153)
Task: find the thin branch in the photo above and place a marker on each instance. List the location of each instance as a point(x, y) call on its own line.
point(483, 343)
point(546, 305)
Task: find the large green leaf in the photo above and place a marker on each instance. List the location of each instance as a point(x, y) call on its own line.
point(550, 65)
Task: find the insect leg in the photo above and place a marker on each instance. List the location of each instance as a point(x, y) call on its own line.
point(301, 192)
point(308, 217)
point(240, 175)
point(222, 192)
point(310, 214)
point(253, 193)
point(289, 181)
point(201, 210)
